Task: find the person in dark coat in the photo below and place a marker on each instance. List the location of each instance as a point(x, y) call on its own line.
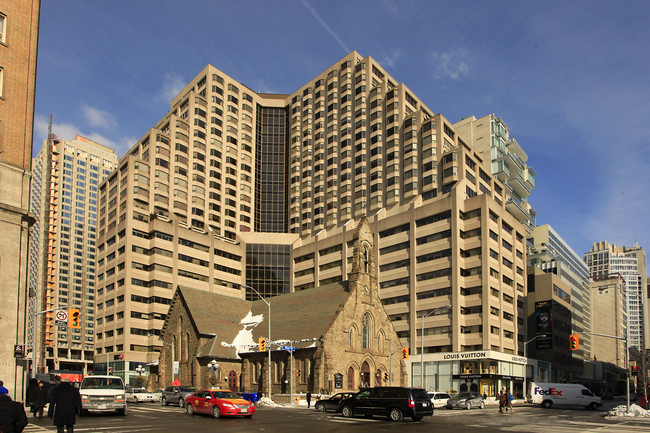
point(12, 415)
point(65, 403)
point(31, 390)
point(308, 395)
point(39, 398)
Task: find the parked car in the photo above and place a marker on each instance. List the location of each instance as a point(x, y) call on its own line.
point(139, 395)
point(333, 402)
point(218, 403)
point(176, 395)
point(391, 401)
point(157, 394)
point(439, 399)
point(466, 400)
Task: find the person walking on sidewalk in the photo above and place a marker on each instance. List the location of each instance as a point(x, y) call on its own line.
point(509, 399)
point(38, 399)
point(308, 396)
point(12, 414)
point(64, 405)
point(502, 401)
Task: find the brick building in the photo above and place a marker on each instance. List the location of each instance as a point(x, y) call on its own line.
point(342, 335)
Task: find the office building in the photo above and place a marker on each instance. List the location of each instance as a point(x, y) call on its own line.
point(18, 50)
point(233, 187)
point(62, 255)
point(606, 259)
point(508, 161)
point(609, 318)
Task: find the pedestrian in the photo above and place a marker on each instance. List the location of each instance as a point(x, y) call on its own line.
point(39, 398)
point(12, 414)
point(64, 405)
point(3, 390)
point(509, 399)
point(31, 389)
point(502, 400)
point(308, 398)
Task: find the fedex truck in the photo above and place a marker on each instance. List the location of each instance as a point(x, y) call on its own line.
point(563, 394)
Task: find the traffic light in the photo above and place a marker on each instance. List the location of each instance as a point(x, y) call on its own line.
point(262, 344)
point(405, 353)
point(634, 370)
point(297, 373)
point(574, 342)
point(74, 318)
point(385, 376)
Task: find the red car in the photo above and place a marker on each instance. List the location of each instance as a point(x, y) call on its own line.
point(218, 403)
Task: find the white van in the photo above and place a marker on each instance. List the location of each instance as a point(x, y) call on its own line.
point(103, 394)
point(563, 394)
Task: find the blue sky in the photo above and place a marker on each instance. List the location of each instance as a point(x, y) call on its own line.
point(570, 78)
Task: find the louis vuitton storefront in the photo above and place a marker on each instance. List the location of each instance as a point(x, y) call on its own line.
point(484, 371)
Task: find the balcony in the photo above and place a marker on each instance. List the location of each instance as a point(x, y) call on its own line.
point(516, 208)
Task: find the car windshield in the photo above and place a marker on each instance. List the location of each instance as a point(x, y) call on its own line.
point(102, 383)
point(186, 389)
point(138, 391)
point(463, 395)
point(224, 394)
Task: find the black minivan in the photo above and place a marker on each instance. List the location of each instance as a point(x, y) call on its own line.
point(393, 402)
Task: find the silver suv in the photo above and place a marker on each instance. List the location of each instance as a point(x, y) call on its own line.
point(176, 395)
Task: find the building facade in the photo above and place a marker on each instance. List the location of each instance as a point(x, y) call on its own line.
point(606, 259)
point(609, 318)
point(508, 161)
point(62, 254)
point(235, 188)
point(19, 20)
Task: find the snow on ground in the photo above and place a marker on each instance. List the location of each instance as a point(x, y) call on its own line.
point(265, 401)
point(635, 411)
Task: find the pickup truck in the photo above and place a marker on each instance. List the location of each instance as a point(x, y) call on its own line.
point(103, 394)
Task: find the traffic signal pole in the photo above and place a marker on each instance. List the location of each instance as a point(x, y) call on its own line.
point(627, 363)
point(34, 325)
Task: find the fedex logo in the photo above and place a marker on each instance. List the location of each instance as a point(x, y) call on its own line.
point(550, 391)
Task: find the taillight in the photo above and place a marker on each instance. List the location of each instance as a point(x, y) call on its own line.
point(411, 403)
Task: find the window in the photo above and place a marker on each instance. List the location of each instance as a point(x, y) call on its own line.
point(3, 33)
point(365, 333)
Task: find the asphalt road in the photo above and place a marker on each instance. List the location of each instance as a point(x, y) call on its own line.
point(150, 417)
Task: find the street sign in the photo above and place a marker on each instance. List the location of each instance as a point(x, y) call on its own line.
point(61, 323)
point(289, 348)
point(61, 315)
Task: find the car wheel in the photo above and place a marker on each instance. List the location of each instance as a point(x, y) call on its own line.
point(216, 412)
point(181, 402)
point(547, 404)
point(482, 405)
point(189, 409)
point(592, 406)
point(122, 412)
point(468, 406)
point(395, 414)
point(319, 407)
point(164, 401)
point(347, 411)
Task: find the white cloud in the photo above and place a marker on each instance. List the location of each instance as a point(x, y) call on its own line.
point(389, 60)
point(450, 65)
point(68, 131)
point(98, 118)
point(172, 86)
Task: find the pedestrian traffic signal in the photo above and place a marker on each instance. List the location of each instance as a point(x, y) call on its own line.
point(634, 370)
point(405, 353)
point(74, 318)
point(574, 342)
point(262, 344)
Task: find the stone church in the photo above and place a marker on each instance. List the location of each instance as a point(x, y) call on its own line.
point(342, 336)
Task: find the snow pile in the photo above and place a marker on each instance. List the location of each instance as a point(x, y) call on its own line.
point(265, 401)
point(243, 341)
point(635, 410)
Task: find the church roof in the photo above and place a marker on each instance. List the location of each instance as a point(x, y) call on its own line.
point(303, 315)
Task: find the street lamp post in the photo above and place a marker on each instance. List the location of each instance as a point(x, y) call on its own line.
point(526, 364)
point(139, 369)
point(268, 304)
point(422, 343)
